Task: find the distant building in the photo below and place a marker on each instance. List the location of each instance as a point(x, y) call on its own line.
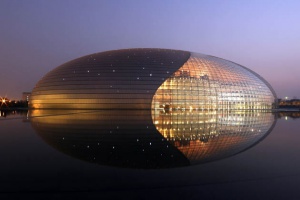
point(283, 103)
point(26, 96)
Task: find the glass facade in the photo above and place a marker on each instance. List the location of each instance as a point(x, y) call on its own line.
point(151, 79)
point(210, 83)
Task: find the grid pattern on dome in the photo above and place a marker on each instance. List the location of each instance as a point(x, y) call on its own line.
point(119, 79)
point(210, 83)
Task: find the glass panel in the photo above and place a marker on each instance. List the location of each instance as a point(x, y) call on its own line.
point(210, 83)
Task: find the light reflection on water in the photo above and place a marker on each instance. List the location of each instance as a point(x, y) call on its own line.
point(29, 168)
point(156, 139)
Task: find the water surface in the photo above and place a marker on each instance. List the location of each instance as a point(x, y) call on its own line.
point(187, 155)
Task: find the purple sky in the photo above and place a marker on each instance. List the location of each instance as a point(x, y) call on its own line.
point(38, 35)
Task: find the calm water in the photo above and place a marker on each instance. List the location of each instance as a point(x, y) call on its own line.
point(143, 155)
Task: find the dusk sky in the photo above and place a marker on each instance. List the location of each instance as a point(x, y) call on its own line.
point(38, 35)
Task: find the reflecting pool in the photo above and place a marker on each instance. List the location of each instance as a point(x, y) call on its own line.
point(187, 154)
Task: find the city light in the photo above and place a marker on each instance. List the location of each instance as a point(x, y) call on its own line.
point(4, 101)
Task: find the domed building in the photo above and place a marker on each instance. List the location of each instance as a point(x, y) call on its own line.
point(152, 79)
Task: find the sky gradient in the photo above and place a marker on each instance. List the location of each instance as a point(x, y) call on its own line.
point(38, 35)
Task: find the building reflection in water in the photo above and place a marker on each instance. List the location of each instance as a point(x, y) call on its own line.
point(11, 112)
point(150, 139)
point(206, 136)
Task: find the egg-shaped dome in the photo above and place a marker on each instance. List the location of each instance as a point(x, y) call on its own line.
point(151, 79)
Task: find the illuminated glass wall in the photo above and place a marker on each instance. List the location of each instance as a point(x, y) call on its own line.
point(210, 83)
